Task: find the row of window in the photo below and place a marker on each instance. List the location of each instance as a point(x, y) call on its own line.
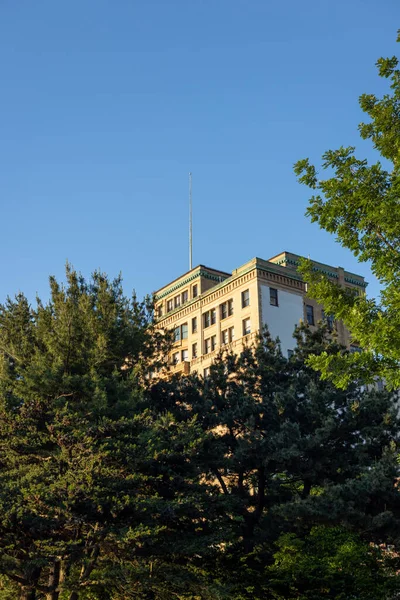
point(178, 300)
point(210, 318)
point(226, 308)
point(210, 344)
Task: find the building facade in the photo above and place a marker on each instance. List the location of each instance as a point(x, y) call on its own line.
point(210, 310)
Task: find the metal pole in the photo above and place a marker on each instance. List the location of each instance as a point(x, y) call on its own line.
point(190, 222)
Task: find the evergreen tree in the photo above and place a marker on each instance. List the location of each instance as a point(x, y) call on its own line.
point(287, 452)
point(88, 478)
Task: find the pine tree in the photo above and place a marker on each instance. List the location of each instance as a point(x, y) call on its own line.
point(89, 478)
point(287, 452)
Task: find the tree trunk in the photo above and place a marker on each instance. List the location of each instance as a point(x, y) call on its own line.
point(54, 581)
point(306, 489)
point(27, 593)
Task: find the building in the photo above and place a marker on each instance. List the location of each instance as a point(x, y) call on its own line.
point(209, 310)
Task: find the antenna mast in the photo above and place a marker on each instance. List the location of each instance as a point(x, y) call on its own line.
point(190, 222)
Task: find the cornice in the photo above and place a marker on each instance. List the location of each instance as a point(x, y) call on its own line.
point(356, 282)
point(180, 284)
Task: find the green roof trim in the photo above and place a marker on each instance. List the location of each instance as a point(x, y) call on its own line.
point(180, 284)
point(296, 263)
point(356, 282)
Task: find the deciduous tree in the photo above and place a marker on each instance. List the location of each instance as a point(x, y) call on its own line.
point(359, 203)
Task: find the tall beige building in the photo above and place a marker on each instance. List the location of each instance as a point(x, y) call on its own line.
point(209, 310)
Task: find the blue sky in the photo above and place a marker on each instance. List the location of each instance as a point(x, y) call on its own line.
point(106, 105)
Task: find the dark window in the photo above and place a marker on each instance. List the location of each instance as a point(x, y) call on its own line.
point(224, 337)
point(184, 331)
point(246, 327)
point(177, 301)
point(194, 324)
point(194, 350)
point(194, 291)
point(245, 298)
point(310, 314)
point(273, 297)
point(170, 305)
point(185, 297)
point(185, 355)
point(177, 334)
point(175, 358)
point(207, 346)
point(213, 316)
point(159, 311)
point(230, 308)
point(223, 310)
point(231, 334)
point(329, 320)
point(206, 319)
point(213, 342)
point(206, 372)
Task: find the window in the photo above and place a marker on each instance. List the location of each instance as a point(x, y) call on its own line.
point(194, 350)
point(273, 297)
point(289, 353)
point(213, 342)
point(230, 308)
point(207, 346)
point(185, 297)
point(329, 320)
point(170, 305)
point(246, 327)
point(245, 298)
point(223, 310)
point(194, 291)
point(194, 324)
point(185, 355)
point(159, 311)
point(224, 337)
point(206, 372)
point(310, 314)
point(177, 301)
point(231, 334)
point(184, 331)
point(209, 317)
point(177, 334)
point(175, 358)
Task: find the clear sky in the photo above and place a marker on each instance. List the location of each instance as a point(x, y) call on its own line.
point(106, 105)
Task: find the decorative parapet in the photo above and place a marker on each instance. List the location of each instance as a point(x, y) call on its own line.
point(356, 282)
point(199, 273)
point(325, 270)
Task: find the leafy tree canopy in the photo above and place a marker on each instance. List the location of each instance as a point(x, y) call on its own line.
point(359, 204)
